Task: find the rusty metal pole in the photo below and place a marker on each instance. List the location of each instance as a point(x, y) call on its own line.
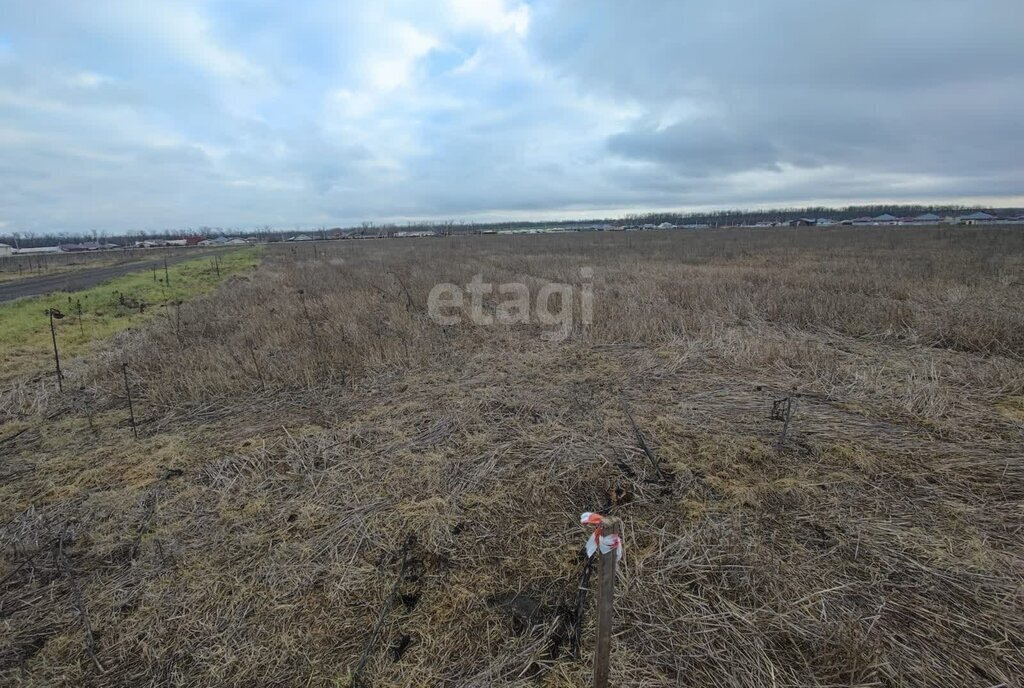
point(605, 605)
point(128, 393)
point(56, 356)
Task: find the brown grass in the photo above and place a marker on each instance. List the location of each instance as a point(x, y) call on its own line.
point(304, 482)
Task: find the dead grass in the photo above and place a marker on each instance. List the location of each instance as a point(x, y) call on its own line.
point(301, 481)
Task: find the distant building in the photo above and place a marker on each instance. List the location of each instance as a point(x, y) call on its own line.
point(37, 249)
point(87, 246)
point(922, 219)
point(224, 241)
point(666, 225)
point(803, 222)
point(884, 218)
point(825, 222)
point(977, 218)
point(300, 237)
point(6, 250)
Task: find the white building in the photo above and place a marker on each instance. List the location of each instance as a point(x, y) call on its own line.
point(38, 249)
point(6, 250)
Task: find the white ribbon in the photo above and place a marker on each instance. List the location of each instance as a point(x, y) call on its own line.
point(598, 540)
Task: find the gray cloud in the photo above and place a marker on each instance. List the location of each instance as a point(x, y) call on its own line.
point(906, 87)
point(698, 148)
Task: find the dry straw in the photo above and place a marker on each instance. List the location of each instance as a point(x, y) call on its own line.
point(394, 503)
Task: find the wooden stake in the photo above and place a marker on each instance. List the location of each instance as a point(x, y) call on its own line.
point(605, 605)
point(167, 275)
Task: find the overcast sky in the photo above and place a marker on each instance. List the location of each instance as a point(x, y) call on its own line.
point(142, 114)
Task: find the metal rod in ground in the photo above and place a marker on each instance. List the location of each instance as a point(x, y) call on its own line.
point(785, 413)
point(167, 275)
point(642, 441)
point(256, 364)
point(54, 313)
point(357, 675)
point(83, 611)
point(128, 393)
point(605, 606)
point(309, 320)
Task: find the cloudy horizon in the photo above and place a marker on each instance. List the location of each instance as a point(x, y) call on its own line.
point(119, 115)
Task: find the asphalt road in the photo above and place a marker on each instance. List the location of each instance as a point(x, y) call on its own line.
point(82, 279)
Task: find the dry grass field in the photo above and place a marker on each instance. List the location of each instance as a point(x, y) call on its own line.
point(330, 488)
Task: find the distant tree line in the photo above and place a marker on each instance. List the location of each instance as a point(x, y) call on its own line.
point(719, 218)
point(725, 218)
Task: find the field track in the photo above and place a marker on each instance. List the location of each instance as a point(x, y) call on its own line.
point(82, 279)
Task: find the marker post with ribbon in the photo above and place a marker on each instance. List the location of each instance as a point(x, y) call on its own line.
point(606, 541)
